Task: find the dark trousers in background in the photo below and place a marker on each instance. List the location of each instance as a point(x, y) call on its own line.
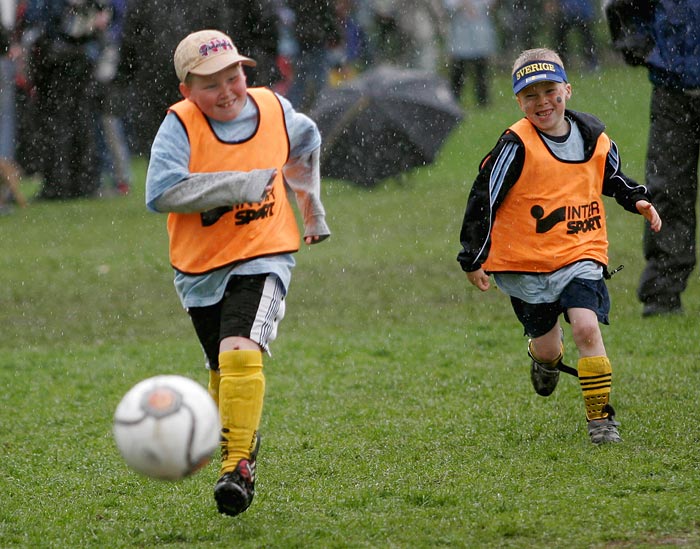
point(563, 34)
point(478, 70)
point(67, 109)
point(672, 179)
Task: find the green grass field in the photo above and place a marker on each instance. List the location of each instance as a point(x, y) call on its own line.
point(399, 412)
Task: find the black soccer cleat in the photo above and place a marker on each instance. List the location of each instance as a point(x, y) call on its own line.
point(234, 491)
point(544, 379)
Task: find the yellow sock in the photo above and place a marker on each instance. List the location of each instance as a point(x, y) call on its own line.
point(241, 394)
point(214, 379)
point(595, 377)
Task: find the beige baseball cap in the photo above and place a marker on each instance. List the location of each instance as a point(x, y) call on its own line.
point(206, 52)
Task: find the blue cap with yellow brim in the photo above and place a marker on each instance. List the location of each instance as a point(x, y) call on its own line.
point(533, 72)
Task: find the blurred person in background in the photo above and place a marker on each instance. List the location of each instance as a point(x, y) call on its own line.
point(575, 17)
point(115, 154)
point(62, 64)
point(672, 153)
point(352, 53)
point(520, 24)
point(409, 33)
point(316, 34)
point(471, 43)
point(10, 50)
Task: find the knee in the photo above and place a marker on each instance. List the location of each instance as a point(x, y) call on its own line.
point(548, 348)
point(586, 333)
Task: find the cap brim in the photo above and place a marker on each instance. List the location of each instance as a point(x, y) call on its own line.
point(525, 82)
point(220, 62)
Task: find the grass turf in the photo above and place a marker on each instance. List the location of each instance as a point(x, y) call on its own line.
point(399, 411)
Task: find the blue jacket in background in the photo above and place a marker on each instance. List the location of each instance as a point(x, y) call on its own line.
point(674, 61)
point(581, 10)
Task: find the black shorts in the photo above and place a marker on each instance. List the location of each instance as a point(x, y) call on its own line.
point(252, 307)
point(540, 318)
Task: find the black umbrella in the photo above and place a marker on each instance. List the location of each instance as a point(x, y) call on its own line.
point(383, 123)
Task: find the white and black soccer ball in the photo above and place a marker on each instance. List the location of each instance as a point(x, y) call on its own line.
point(167, 427)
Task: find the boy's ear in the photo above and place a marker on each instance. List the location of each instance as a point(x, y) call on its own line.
point(184, 90)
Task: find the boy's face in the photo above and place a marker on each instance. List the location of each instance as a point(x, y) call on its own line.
point(221, 96)
point(543, 104)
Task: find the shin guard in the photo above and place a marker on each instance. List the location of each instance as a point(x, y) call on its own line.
point(241, 394)
point(595, 377)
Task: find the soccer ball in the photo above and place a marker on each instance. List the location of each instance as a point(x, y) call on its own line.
point(167, 427)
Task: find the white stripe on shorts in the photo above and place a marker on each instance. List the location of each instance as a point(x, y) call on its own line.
point(270, 313)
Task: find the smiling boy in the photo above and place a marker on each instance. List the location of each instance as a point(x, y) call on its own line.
point(220, 167)
point(535, 220)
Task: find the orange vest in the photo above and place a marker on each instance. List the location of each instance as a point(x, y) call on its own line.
point(553, 215)
point(200, 243)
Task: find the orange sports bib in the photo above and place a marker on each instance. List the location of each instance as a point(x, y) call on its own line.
point(200, 243)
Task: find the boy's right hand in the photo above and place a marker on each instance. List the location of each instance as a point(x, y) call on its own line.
point(650, 214)
point(480, 279)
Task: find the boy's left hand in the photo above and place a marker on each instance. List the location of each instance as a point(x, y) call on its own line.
point(650, 214)
point(315, 239)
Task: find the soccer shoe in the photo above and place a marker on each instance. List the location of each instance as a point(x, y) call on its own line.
point(544, 379)
point(604, 430)
point(666, 306)
point(235, 490)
